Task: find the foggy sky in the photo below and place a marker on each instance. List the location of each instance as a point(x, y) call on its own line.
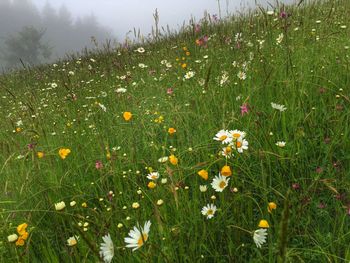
point(68, 25)
point(120, 16)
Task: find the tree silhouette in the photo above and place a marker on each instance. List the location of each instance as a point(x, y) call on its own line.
point(26, 46)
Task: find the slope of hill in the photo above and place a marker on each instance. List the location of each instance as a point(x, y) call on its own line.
point(231, 138)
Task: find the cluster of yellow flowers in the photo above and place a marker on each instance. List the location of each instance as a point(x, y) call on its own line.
point(21, 237)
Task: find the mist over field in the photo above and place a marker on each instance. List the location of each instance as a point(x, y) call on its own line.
point(41, 31)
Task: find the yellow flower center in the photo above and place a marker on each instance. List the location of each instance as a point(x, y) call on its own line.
point(142, 239)
point(238, 144)
point(222, 184)
point(210, 212)
point(228, 150)
point(236, 135)
point(223, 137)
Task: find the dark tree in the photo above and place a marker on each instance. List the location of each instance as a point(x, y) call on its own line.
point(26, 46)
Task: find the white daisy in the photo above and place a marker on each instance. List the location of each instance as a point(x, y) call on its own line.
point(153, 176)
point(223, 136)
point(107, 249)
point(120, 90)
point(220, 183)
point(278, 106)
point(259, 236)
point(242, 75)
point(237, 134)
point(189, 75)
point(227, 152)
point(209, 210)
point(241, 145)
point(136, 237)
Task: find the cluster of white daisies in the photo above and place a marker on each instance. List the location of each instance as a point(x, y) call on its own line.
point(233, 140)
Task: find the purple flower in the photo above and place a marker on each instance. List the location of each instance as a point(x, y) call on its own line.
point(31, 146)
point(283, 14)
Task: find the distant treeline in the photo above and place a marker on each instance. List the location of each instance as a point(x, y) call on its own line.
point(48, 33)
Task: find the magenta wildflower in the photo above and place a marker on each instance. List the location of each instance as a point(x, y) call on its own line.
point(98, 165)
point(170, 91)
point(244, 109)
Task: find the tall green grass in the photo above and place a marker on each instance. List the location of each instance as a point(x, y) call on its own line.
point(308, 179)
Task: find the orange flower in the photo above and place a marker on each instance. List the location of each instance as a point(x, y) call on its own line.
point(203, 174)
point(25, 235)
point(20, 242)
point(127, 115)
point(173, 160)
point(21, 229)
point(63, 152)
point(171, 131)
point(271, 206)
point(226, 171)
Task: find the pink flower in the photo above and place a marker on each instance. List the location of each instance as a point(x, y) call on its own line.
point(244, 109)
point(283, 14)
point(170, 91)
point(296, 186)
point(197, 29)
point(98, 165)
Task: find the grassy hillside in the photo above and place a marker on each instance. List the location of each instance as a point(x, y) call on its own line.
point(88, 132)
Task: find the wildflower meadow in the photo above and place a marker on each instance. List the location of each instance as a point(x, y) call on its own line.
point(227, 141)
